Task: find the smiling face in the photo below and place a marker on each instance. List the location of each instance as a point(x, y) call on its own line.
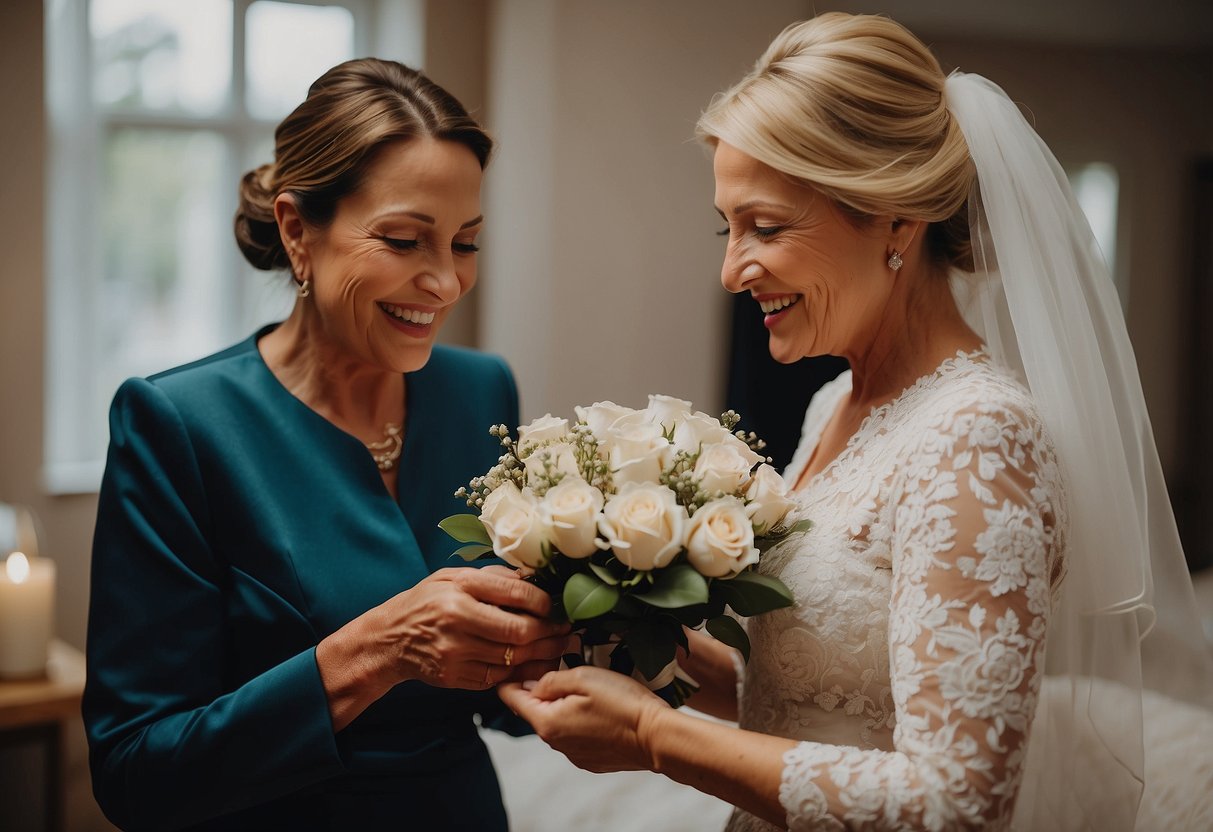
point(821, 280)
point(398, 254)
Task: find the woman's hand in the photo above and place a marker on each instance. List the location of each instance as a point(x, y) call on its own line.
point(601, 720)
point(458, 628)
point(713, 666)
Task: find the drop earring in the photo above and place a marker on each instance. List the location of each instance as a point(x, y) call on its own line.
point(895, 261)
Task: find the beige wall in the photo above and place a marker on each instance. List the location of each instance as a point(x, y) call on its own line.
point(601, 271)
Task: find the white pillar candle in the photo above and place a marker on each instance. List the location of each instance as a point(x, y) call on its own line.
point(27, 606)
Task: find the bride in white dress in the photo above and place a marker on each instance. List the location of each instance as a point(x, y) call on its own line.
point(992, 539)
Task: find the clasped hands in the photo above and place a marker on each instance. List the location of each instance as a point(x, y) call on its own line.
point(471, 629)
point(476, 628)
point(479, 628)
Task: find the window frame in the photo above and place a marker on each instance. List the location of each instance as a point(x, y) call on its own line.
point(77, 129)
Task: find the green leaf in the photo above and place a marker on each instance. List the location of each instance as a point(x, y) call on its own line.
point(771, 537)
point(725, 628)
point(466, 528)
point(675, 587)
point(652, 648)
point(474, 551)
point(752, 594)
point(801, 526)
point(587, 597)
point(604, 573)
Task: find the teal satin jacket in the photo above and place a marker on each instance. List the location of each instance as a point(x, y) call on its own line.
point(236, 529)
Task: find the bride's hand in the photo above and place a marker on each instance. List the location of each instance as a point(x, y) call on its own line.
point(601, 720)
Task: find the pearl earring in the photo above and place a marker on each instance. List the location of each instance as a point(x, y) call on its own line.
point(895, 261)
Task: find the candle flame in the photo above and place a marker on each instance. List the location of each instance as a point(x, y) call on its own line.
point(17, 567)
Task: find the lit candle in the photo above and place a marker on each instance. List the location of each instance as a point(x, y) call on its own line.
point(27, 604)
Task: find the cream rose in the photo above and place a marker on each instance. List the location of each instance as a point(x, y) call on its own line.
point(558, 457)
point(570, 517)
point(637, 451)
point(722, 467)
point(720, 539)
point(546, 428)
point(697, 430)
point(601, 415)
point(767, 495)
point(667, 411)
point(643, 525)
point(512, 519)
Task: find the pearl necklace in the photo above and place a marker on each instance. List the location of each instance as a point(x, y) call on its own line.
point(387, 452)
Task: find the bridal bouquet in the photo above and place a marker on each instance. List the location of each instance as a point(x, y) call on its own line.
point(636, 522)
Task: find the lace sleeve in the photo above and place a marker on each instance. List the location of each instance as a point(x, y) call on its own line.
point(974, 520)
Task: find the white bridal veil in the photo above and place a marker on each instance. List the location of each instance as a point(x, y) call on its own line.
point(1125, 619)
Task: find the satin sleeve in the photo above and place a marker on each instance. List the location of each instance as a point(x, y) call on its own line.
point(173, 743)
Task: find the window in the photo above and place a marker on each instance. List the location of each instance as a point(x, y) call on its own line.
point(156, 108)
point(1097, 188)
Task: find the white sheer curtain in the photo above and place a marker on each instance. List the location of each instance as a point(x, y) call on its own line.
point(1126, 618)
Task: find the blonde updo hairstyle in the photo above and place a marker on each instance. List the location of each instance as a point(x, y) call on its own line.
point(323, 148)
point(854, 106)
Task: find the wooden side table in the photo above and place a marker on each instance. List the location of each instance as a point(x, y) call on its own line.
point(36, 710)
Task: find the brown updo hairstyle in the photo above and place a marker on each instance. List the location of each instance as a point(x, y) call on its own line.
point(322, 149)
point(854, 106)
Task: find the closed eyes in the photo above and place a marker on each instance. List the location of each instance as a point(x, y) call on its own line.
point(409, 245)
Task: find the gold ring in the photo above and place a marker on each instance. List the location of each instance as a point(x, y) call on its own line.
point(509, 655)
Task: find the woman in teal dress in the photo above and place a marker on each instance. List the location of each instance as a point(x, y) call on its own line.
point(274, 642)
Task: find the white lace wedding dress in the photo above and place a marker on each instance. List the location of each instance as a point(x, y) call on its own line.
point(911, 662)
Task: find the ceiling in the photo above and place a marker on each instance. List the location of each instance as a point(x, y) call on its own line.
point(1132, 23)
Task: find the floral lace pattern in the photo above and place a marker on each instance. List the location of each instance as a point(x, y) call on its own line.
point(910, 666)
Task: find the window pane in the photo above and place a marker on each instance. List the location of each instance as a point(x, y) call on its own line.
point(1097, 188)
point(166, 241)
point(264, 296)
point(162, 54)
point(288, 47)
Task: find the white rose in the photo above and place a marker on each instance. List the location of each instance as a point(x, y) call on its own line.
point(544, 429)
point(643, 525)
point(720, 539)
point(722, 467)
point(696, 430)
point(558, 457)
point(601, 415)
point(513, 521)
point(570, 517)
point(767, 494)
point(667, 411)
point(745, 450)
point(637, 451)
